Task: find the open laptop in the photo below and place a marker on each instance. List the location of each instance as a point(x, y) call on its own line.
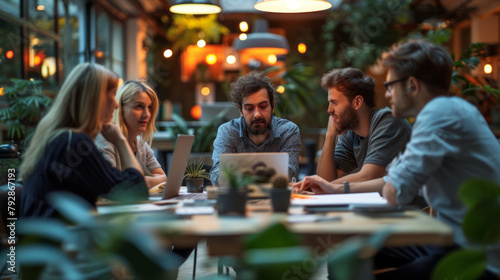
point(279, 161)
point(178, 167)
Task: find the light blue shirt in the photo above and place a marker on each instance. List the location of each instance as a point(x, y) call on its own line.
point(232, 137)
point(450, 143)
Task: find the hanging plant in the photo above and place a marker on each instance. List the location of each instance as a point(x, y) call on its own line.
point(188, 29)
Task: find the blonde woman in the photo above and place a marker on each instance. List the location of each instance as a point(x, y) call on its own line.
point(135, 116)
point(62, 156)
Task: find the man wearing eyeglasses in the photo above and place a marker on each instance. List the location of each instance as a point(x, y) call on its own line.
point(450, 143)
point(368, 138)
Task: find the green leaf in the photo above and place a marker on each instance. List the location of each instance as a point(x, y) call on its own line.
point(460, 264)
point(35, 255)
point(72, 207)
point(476, 191)
point(478, 225)
point(275, 236)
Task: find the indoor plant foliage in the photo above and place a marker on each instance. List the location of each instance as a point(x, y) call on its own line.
point(482, 199)
point(26, 104)
point(195, 175)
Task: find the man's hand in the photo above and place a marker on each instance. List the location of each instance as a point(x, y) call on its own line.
point(316, 184)
point(331, 130)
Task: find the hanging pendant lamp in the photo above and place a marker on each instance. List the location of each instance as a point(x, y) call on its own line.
point(260, 40)
point(292, 6)
point(195, 7)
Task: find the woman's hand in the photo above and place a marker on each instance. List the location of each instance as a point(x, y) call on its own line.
point(112, 133)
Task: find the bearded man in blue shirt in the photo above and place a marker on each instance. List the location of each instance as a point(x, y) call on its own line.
point(257, 130)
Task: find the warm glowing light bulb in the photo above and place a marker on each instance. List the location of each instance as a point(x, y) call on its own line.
point(37, 60)
point(196, 112)
point(1, 91)
point(487, 68)
point(302, 48)
point(231, 59)
point(243, 36)
point(40, 7)
point(243, 26)
point(98, 54)
point(280, 89)
point(293, 4)
point(9, 54)
point(35, 41)
point(168, 53)
point(272, 59)
point(211, 59)
point(201, 43)
point(205, 91)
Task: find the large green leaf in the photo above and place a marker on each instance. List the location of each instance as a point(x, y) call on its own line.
point(73, 208)
point(346, 260)
point(36, 255)
point(275, 236)
point(475, 191)
point(481, 223)
point(461, 264)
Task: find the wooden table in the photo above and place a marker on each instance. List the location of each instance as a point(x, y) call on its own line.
point(224, 234)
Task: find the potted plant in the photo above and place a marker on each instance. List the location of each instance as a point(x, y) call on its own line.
point(233, 197)
point(280, 194)
point(195, 176)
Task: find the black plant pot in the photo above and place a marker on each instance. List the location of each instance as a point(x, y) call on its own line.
point(280, 199)
point(194, 185)
point(232, 202)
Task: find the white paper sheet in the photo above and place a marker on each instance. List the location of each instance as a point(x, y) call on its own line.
point(145, 207)
point(340, 199)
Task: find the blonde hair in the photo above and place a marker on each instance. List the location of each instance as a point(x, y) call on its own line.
point(126, 92)
point(78, 107)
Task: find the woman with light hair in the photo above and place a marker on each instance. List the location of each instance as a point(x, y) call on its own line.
point(62, 156)
point(135, 116)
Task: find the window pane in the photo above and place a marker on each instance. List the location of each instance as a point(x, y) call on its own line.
point(69, 35)
point(11, 6)
point(42, 63)
point(103, 44)
point(41, 14)
point(10, 51)
point(118, 49)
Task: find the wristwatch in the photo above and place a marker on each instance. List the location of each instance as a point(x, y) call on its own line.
point(346, 187)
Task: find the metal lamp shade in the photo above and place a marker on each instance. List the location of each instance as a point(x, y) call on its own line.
point(195, 7)
point(292, 6)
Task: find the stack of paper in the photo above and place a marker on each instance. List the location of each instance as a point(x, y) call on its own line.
point(339, 199)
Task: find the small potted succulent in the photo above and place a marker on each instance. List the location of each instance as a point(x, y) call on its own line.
point(280, 194)
point(233, 197)
point(195, 176)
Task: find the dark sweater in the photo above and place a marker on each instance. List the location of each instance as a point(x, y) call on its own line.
point(74, 166)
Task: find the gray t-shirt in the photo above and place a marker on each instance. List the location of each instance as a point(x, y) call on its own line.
point(388, 136)
point(144, 154)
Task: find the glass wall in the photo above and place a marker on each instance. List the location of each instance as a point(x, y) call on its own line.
point(10, 51)
point(69, 34)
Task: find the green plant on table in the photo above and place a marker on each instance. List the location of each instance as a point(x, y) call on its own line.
point(194, 170)
point(235, 179)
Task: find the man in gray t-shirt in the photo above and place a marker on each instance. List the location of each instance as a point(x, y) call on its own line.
point(368, 139)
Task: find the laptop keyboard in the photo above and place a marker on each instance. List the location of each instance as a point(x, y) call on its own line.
point(196, 196)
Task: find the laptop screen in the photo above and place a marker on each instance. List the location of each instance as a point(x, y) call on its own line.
point(237, 161)
point(178, 165)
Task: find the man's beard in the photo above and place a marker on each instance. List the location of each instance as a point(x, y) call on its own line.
point(348, 120)
point(259, 131)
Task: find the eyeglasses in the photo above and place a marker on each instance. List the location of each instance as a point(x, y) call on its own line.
point(388, 85)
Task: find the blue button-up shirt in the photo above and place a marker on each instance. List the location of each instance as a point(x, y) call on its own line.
point(232, 137)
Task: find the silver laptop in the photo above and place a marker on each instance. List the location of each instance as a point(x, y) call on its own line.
point(178, 165)
point(278, 161)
